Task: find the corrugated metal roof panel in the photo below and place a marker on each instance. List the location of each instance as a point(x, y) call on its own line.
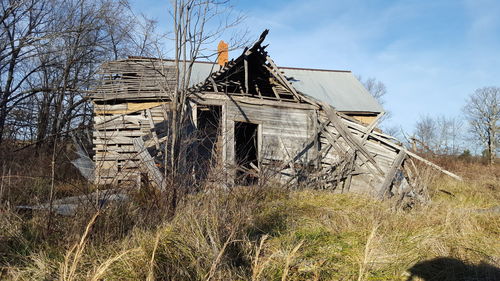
point(341, 89)
point(199, 72)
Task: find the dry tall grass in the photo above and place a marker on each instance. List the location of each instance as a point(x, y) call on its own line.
point(268, 233)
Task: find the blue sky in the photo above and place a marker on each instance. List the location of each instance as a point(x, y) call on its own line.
point(431, 54)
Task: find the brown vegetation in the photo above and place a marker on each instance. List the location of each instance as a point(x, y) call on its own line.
point(249, 233)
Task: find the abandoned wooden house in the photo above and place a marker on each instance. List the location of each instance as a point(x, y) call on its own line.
point(256, 118)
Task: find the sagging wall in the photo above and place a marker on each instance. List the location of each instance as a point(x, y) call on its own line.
point(335, 151)
point(115, 127)
point(281, 132)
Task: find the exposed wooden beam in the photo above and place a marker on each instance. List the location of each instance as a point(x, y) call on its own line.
point(207, 95)
point(214, 85)
point(148, 164)
point(277, 73)
point(372, 126)
point(152, 127)
point(245, 62)
point(258, 91)
point(276, 93)
point(391, 174)
point(347, 135)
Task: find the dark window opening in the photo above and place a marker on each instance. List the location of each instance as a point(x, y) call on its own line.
point(246, 149)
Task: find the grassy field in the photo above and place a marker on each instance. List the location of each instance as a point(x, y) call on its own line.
point(267, 234)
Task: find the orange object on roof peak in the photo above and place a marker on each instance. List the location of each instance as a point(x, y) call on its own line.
point(223, 53)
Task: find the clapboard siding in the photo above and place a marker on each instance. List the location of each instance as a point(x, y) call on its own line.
point(280, 127)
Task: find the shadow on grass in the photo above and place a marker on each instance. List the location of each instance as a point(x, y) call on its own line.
point(450, 269)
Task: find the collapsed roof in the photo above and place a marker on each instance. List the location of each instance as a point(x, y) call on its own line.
point(295, 120)
point(339, 88)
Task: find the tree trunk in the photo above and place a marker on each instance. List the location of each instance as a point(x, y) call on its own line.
point(3, 117)
point(491, 143)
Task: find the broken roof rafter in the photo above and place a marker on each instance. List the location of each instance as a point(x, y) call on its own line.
point(254, 74)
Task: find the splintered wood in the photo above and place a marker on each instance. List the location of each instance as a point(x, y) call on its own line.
point(288, 135)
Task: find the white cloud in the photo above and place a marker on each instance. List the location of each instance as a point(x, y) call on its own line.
point(430, 54)
point(428, 67)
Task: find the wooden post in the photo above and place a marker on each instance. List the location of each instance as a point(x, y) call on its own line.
point(148, 164)
point(347, 135)
point(389, 177)
point(153, 130)
point(245, 62)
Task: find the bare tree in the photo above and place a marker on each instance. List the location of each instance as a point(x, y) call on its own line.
point(376, 88)
point(94, 31)
point(424, 134)
point(438, 135)
point(50, 51)
point(23, 28)
point(482, 110)
point(197, 25)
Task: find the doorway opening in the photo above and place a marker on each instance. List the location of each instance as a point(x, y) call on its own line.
point(209, 138)
point(246, 153)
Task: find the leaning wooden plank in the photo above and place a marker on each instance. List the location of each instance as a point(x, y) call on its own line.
point(389, 177)
point(153, 130)
point(148, 164)
point(277, 73)
point(413, 155)
point(354, 125)
point(131, 107)
point(347, 135)
point(334, 140)
point(370, 128)
point(434, 165)
point(347, 183)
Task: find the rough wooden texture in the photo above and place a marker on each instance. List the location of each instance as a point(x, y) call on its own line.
point(365, 119)
point(292, 125)
point(389, 177)
point(148, 164)
point(295, 132)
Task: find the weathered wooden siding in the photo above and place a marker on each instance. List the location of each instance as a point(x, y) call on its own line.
point(115, 127)
point(135, 78)
point(335, 150)
point(282, 131)
point(282, 134)
point(364, 118)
